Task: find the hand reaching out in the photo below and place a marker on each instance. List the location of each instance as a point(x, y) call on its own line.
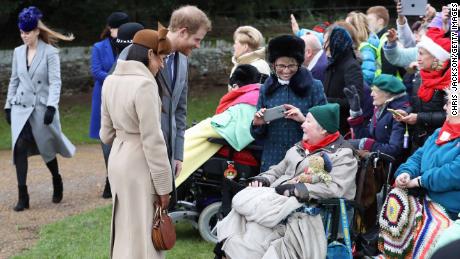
point(392, 36)
point(294, 24)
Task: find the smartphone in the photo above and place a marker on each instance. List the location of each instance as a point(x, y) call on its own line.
point(413, 7)
point(394, 112)
point(274, 113)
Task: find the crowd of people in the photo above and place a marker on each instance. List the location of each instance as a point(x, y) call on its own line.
point(344, 89)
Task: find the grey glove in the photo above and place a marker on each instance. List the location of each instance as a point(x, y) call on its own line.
point(353, 100)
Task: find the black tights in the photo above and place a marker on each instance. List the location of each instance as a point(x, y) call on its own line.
point(20, 160)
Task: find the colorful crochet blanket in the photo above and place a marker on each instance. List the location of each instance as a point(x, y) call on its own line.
point(410, 226)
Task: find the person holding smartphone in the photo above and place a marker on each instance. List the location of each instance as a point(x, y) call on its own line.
point(289, 85)
point(427, 113)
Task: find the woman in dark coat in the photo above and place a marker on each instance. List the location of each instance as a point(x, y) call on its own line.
point(102, 58)
point(292, 86)
point(428, 99)
point(343, 71)
point(383, 133)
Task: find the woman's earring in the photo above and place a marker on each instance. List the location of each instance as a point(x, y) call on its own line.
point(436, 65)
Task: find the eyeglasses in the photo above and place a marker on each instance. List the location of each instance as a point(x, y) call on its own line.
point(291, 67)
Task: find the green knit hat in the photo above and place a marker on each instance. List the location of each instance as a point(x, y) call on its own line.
point(327, 116)
point(389, 83)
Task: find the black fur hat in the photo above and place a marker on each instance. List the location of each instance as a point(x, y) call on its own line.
point(286, 46)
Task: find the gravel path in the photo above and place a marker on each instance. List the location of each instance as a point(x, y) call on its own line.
point(83, 177)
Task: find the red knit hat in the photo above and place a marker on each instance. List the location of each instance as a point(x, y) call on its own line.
point(436, 43)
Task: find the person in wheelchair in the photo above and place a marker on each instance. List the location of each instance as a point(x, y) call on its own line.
point(263, 221)
point(426, 197)
point(231, 122)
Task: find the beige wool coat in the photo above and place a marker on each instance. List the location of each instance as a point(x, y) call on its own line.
point(138, 165)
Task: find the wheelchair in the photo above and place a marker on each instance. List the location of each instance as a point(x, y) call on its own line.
point(199, 197)
point(374, 175)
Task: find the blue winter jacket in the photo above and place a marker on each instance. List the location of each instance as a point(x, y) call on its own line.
point(383, 133)
point(102, 59)
point(439, 168)
point(303, 92)
point(399, 56)
point(368, 51)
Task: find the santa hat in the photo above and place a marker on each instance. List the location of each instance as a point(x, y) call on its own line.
point(435, 43)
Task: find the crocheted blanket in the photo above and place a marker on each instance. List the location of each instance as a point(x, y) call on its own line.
point(410, 226)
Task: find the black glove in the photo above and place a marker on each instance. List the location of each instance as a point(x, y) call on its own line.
point(8, 116)
point(49, 115)
point(302, 191)
point(353, 100)
point(265, 182)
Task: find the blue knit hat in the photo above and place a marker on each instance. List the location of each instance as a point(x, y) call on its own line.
point(28, 18)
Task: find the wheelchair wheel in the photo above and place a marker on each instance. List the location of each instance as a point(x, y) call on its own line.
point(207, 222)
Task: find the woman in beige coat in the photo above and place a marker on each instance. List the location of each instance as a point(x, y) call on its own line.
point(139, 169)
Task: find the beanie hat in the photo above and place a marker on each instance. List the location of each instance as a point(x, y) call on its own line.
point(244, 75)
point(327, 116)
point(389, 83)
point(116, 19)
point(155, 40)
point(28, 18)
point(435, 43)
point(286, 46)
point(126, 34)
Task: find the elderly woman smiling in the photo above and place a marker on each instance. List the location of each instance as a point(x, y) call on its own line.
point(383, 133)
point(267, 216)
point(434, 63)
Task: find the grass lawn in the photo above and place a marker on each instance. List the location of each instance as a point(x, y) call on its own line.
point(75, 115)
point(87, 236)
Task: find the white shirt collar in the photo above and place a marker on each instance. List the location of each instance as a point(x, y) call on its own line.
point(283, 82)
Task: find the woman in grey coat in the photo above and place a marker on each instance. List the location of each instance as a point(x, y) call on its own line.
point(32, 103)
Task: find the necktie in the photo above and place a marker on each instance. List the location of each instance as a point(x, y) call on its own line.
point(170, 65)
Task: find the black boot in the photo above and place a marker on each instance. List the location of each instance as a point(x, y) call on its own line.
point(107, 194)
point(57, 188)
point(23, 202)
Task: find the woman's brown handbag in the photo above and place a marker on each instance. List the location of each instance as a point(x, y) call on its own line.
point(163, 230)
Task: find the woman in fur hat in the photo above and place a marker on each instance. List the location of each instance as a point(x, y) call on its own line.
point(32, 102)
point(289, 85)
point(139, 169)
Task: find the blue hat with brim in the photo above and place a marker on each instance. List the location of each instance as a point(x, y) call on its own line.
point(28, 18)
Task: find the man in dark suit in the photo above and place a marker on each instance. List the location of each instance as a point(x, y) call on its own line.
point(187, 27)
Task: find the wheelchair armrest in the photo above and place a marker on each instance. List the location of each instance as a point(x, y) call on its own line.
point(380, 155)
point(219, 141)
point(223, 142)
point(333, 202)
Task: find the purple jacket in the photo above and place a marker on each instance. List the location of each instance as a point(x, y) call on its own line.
point(319, 70)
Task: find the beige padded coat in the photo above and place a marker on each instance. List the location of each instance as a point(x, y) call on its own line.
point(138, 164)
